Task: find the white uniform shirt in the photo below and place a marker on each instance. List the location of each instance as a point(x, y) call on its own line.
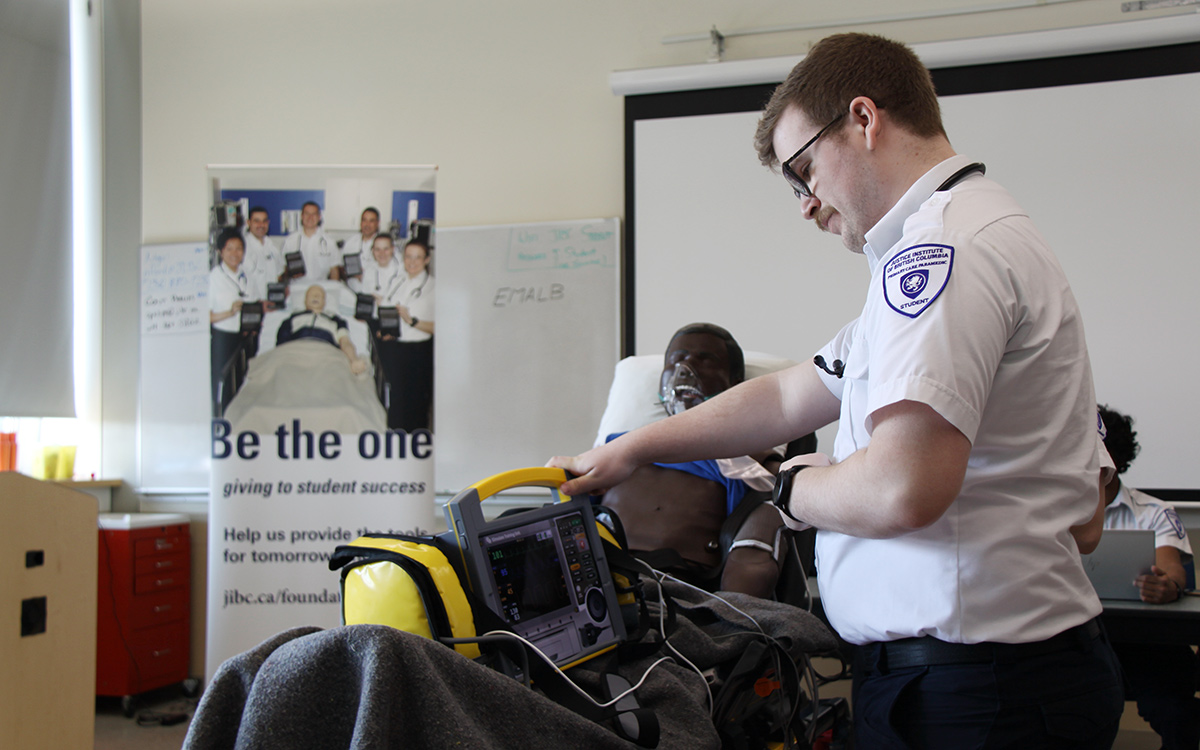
point(416, 294)
point(226, 286)
point(969, 312)
point(380, 280)
point(320, 255)
point(263, 262)
point(1132, 509)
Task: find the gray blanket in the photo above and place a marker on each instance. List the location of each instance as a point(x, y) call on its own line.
point(374, 687)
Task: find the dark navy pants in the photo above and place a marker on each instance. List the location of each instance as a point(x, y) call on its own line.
point(1071, 698)
point(1163, 681)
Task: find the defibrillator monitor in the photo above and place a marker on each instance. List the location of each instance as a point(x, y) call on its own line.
point(389, 320)
point(295, 264)
point(252, 317)
point(364, 306)
point(352, 262)
point(543, 571)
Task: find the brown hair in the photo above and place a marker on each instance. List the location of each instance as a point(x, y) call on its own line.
point(843, 66)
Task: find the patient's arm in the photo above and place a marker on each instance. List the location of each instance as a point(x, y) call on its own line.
point(357, 364)
point(752, 568)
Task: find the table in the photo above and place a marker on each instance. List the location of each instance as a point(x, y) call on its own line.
point(1125, 621)
point(1139, 622)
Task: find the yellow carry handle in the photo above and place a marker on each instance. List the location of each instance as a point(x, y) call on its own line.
point(542, 476)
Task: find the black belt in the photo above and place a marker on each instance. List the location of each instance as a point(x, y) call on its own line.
point(930, 652)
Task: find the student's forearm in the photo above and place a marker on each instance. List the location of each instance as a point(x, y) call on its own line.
point(755, 416)
point(904, 480)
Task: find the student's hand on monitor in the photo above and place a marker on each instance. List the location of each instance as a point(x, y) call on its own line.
point(596, 470)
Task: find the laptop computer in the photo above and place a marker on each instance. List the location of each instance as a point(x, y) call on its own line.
point(1121, 556)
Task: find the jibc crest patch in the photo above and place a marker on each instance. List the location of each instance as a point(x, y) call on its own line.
point(915, 277)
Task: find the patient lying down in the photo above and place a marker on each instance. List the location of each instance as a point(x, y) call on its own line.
point(682, 507)
point(314, 322)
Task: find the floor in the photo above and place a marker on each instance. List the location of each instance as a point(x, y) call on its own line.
point(144, 731)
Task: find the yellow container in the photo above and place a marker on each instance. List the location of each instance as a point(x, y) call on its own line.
point(45, 462)
point(54, 462)
point(65, 468)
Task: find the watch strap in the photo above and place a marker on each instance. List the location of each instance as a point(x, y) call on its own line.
point(782, 495)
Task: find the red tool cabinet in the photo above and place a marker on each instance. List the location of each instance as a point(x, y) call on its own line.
point(142, 628)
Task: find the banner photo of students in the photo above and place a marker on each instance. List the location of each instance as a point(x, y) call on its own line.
point(321, 311)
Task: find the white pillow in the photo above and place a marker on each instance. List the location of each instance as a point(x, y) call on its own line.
point(633, 397)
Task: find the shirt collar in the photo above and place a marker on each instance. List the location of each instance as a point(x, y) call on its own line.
point(888, 231)
point(1122, 498)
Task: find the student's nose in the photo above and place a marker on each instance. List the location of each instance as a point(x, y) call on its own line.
point(810, 205)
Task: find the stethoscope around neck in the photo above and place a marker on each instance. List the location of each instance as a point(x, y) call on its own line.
point(225, 272)
point(838, 368)
point(413, 294)
point(396, 271)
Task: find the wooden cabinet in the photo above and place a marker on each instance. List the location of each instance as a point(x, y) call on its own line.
point(142, 630)
point(47, 615)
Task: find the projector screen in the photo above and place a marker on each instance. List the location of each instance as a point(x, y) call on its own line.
point(1100, 150)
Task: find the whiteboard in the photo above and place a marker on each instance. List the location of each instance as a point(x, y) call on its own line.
point(173, 371)
point(1111, 187)
point(526, 343)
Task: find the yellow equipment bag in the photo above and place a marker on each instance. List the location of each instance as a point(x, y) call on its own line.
point(418, 584)
point(405, 582)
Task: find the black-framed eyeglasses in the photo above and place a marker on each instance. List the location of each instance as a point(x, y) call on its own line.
point(796, 181)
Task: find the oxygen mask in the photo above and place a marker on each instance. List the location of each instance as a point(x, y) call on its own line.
point(682, 390)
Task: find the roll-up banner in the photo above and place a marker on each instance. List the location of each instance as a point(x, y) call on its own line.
point(321, 312)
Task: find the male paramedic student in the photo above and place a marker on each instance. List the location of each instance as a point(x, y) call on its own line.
point(264, 261)
point(361, 243)
point(320, 254)
point(966, 447)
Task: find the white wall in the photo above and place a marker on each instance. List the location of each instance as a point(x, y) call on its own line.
point(510, 99)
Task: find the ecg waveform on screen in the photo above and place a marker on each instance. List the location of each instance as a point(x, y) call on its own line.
point(529, 578)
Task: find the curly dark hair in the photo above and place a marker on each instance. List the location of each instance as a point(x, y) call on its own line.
point(1121, 438)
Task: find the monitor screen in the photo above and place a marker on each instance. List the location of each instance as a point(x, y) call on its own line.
point(528, 573)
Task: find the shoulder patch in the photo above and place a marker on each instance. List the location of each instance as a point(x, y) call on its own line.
point(915, 277)
point(1176, 522)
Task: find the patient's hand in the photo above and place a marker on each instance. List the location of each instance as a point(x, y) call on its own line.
point(358, 365)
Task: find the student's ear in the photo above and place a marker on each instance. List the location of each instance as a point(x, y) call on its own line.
point(866, 116)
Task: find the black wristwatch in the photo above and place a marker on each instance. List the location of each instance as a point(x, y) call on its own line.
point(783, 490)
point(414, 320)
